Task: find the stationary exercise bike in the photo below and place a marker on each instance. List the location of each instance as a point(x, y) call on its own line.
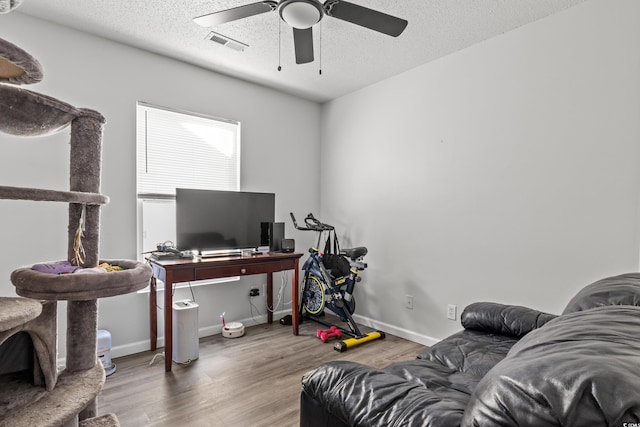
point(329, 281)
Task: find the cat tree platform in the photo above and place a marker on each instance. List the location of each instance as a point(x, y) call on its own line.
point(15, 312)
point(67, 393)
point(40, 195)
point(29, 406)
point(81, 287)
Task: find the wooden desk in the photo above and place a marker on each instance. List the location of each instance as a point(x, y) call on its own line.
point(187, 270)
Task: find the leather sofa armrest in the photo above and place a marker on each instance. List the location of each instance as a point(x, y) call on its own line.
point(510, 320)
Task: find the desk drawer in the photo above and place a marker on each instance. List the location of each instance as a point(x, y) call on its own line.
point(240, 270)
point(183, 275)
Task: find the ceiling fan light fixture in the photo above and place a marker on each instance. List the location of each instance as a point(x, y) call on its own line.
point(301, 14)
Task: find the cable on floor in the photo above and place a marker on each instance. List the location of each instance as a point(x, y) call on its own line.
point(155, 356)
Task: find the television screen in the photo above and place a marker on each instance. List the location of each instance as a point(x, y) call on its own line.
point(209, 220)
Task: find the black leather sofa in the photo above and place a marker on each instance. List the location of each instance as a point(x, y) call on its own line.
point(509, 366)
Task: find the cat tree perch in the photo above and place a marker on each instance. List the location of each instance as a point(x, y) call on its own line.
point(68, 397)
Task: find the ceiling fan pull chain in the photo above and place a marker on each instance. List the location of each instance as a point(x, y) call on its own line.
point(320, 55)
point(279, 43)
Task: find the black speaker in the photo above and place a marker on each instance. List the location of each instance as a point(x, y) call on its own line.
point(288, 245)
point(271, 234)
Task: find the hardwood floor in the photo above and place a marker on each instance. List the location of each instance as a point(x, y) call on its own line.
point(249, 381)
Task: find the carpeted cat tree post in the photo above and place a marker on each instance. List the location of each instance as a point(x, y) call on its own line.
point(68, 398)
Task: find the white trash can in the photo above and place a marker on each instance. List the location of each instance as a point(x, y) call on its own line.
point(185, 346)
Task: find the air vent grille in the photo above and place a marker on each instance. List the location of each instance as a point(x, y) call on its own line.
point(227, 41)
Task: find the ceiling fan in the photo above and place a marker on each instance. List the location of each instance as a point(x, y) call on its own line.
point(302, 15)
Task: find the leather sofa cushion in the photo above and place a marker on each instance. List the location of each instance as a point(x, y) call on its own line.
point(417, 393)
point(470, 351)
point(618, 290)
point(581, 369)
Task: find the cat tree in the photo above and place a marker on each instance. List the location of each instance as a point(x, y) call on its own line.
point(52, 397)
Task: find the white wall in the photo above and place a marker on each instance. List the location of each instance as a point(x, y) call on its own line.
point(505, 172)
point(109, 77)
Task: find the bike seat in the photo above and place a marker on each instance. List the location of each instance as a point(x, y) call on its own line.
point(355, 253)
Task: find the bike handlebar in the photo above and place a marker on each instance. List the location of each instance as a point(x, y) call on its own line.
point(311, 223)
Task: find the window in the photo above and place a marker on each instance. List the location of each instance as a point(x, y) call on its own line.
point(178, 149)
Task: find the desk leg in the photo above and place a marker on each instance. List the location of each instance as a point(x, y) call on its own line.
point(269, 297)
point(153, 314)
point(168, 321)
point(295, 286)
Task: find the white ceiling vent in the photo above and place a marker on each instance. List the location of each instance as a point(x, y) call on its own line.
point(226, 41)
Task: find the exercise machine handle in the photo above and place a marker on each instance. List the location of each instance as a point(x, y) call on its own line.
point(312, 224)
point(295, 224)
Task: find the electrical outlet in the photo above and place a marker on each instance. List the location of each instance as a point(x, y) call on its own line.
point(451, 312)
point(408, 302)
point(254, 292)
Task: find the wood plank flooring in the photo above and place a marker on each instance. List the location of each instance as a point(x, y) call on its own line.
point(249, 381)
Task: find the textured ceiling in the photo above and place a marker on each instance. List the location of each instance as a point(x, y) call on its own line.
point(350, 56)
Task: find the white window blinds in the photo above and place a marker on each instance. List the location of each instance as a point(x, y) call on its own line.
point(185, 150)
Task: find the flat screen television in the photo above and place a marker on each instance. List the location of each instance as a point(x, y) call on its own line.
point(213, 220)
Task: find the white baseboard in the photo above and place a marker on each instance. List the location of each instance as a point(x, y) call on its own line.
point(142, 346)
point(394, 330)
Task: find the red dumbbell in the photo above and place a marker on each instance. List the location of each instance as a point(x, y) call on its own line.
point(332, 332)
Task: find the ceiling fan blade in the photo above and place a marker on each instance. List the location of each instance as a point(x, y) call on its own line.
point(235, 13)
point(303, 41)
point(365, 17)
